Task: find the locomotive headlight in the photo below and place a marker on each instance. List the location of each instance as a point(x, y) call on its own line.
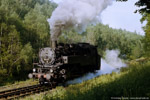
point(48, 76)
point(30, 75)
point(34, 70)
point(51, 70)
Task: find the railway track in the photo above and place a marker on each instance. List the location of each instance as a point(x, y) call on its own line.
point(24, 91)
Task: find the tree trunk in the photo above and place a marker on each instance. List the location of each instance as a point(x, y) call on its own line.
point(1, 47)
point(0, 39)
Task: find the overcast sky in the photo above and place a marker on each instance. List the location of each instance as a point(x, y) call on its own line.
point(121, 15)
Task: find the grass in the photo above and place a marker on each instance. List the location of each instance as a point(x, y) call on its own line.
point(133, 81)
point(18, 84)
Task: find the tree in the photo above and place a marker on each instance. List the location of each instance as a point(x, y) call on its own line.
point(143, 4)
point(144, 10)
point(23, 30)
point(11, 47)
point(147, 35)
point(37, 25)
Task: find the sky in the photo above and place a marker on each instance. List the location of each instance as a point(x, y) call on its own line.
point(120, 15)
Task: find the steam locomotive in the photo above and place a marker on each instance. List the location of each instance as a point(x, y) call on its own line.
point(63, 62)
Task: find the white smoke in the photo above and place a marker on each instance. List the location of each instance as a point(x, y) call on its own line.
point(112, 58)
point(76, 14)
point(111, 63)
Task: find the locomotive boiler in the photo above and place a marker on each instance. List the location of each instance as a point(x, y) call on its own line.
point(63, 62)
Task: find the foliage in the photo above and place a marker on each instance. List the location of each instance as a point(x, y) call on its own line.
point(147, 35)
point(117, 39)
point(23, 30)
point(144, 9)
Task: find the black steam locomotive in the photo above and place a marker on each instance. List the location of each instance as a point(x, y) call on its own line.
point(64, 62)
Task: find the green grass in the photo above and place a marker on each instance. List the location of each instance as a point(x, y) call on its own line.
point(133, 81)
point(18, 84)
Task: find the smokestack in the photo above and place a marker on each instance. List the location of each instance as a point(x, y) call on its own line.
point(57, 32)
point(53, 44)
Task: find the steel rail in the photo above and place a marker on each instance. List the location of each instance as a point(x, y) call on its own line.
point(24, 91)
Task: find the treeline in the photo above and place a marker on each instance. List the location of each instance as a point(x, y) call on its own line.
point(144, 10)
point(130, 44)
point(23, 30)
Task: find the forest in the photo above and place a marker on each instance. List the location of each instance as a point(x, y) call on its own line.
point(24, 29)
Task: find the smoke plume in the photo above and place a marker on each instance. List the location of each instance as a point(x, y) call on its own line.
point(76, 14)
point(112, 58)
point(111, 63)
